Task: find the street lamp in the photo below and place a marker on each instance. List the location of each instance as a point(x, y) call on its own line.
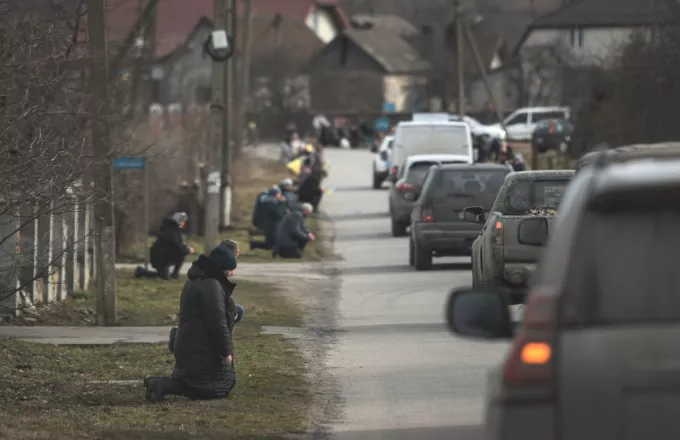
point(219, 45)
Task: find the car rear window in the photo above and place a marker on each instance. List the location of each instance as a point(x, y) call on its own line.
point(527, 195)
point(481, 186)
point(541, 116)
point(417, 171)
point(624, 269)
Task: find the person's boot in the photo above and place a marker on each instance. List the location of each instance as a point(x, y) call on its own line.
point(155, 389)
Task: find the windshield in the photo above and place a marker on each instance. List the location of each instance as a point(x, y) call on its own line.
point(527, 196)
point(473, 187)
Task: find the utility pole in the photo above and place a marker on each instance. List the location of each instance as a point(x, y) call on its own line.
point(244, 84)
point(460, 45)
point(482, 71)
point(229, 21)
point(104, 239)
point(212, 199)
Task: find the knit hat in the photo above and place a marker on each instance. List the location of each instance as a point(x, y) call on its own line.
point(274, 190)
point(286, 182)
point(180, 216)
point(223, 257)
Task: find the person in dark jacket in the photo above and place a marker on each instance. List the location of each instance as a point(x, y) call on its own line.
point(203, 349)
point(287, 186)
point(292, 235)
point(168, 249)
point(272, 211)
point(310, 190)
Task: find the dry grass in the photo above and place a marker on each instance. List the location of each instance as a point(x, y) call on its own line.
point(48, 393)
point(253, 175)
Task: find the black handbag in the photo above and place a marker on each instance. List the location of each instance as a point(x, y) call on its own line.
point(171, 341)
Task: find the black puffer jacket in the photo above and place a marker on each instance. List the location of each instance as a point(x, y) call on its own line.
point(169, 246)
point(291, 231)
point(204, 334)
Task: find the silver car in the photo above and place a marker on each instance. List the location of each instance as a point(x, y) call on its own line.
point(597, 355)
point(406, 188)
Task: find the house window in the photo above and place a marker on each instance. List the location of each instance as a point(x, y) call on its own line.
point(577, 37)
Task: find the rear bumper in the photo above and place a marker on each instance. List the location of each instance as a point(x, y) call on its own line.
point(445, 240)
point(518, 275)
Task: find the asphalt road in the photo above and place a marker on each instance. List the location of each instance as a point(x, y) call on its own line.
point(400, 373)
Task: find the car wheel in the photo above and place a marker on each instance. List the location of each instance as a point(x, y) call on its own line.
point(411, 257)
point(398, 229)
point(422, 258)
point(377, 181)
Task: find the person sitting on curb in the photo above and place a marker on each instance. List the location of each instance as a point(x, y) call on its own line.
point(271, 212)
point(292, 234)
point(168, 249)
point(203, 349)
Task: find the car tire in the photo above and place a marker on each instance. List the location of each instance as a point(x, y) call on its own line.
point(377, 180)
point(422, 258)
point(398, 229)
point(411, 251)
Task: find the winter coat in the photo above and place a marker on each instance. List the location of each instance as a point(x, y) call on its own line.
point(291, 231)
point(260, 210)
point(169, 246)
point(204, 334)
point(272, 212)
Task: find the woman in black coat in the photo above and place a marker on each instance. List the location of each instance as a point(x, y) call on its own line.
point(203, 349)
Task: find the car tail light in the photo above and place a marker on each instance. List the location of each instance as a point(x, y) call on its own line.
point(497, 233)
point(531, 358)
point(405, 187)
point(427, 215)
point(551, 130)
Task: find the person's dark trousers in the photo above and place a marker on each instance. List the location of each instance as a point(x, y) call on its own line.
point(293, 252)
point(267, 244)
point(164, 271)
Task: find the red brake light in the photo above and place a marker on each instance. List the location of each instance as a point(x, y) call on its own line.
point(405, 187)
point(552, 128)
point(426, 215)
point(497, 233)
point(530, 361)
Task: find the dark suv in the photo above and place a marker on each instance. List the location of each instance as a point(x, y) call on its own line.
point(438, 226)
point(596, 355)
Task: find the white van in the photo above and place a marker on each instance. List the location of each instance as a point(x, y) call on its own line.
point(430, 137)
point(521, 123)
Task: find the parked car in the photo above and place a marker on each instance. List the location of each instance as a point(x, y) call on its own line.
point(381, 161)
point(429, 135)
point(498, 258)
point(438, 227)
point(596, 355)
point(552, 134)
point(632, 152)
point(522, 122)
point(404, 192)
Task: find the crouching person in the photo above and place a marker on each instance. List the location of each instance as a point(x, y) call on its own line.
point(292, 235)
point(168, 250)
point(272, 211)
point(203, 349)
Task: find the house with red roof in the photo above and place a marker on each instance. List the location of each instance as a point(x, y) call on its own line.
point(285, 35)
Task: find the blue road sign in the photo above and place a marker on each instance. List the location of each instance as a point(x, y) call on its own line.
point(128, 163)
point(383, 124)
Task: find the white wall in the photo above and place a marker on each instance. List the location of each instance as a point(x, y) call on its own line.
point(590, 45)
point(321, 22)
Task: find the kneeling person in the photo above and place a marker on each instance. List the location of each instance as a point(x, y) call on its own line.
point(292, 235)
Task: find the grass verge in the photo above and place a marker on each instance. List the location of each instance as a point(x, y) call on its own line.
point(253, 176)
point(50, 392)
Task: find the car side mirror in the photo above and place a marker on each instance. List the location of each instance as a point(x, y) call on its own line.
point(474, 214)
point(383, 155)
point(533, 231)
point(479, 314)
